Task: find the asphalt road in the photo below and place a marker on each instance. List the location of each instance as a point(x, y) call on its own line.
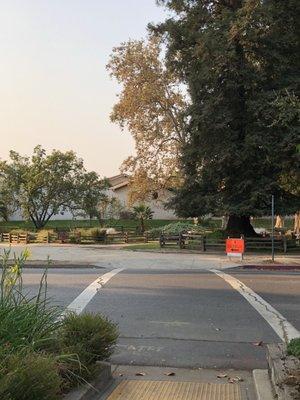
point(185, 318)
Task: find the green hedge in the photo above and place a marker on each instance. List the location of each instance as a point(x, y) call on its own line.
point(293, 348)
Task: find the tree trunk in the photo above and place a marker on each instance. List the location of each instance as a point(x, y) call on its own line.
point(297, 223)
point(240, 225)
point(224, 221)
point(142, 226)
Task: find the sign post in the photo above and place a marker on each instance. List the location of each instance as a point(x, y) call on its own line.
point(273, 212)
point(235, 247)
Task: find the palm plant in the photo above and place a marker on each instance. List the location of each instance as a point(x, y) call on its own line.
point(142, 213)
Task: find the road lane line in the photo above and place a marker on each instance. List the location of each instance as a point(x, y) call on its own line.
point(81, 301)
point(280, 325)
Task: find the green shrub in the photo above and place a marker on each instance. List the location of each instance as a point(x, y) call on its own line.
point(91, 336)
point(293, 348)
point(176, 228)
point(29, 376)
point(34, 340)
point(218, 234)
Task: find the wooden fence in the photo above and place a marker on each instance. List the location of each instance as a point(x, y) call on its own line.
point(77, 237)
point(191, 241)
point(203, 243)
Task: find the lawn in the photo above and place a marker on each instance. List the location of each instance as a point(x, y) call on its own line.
point(143, 246)
point(125, 223)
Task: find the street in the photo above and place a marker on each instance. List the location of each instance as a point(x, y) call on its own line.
point(183, 317)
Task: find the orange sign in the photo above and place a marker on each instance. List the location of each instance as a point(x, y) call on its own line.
point(235, 246)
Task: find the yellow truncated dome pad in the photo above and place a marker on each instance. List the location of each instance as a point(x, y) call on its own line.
point(165, 390)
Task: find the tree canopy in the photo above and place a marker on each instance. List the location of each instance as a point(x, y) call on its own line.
point(240, 62)
point(152, 106)
point(47, 184)
point(92, 194)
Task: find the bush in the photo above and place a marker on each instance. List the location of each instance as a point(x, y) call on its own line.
point(18, 231)
point(293, 348)
point(42, 354)
point(91, 336)
point(218, 234)
point(94, 233)
point(176, 228)
point(29, 376)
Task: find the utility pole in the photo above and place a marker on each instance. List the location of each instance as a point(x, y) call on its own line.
point(273, 250)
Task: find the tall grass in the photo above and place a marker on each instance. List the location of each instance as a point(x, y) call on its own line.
point(25, 321)
point(38, 359)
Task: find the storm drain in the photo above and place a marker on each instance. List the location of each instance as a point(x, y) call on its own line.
point(165, 390)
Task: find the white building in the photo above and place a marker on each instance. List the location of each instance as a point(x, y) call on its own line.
point(120, 187)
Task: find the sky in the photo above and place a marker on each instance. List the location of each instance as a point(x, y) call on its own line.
point(54, 88)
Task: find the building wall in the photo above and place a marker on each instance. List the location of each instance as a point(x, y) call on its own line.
point(157, 206)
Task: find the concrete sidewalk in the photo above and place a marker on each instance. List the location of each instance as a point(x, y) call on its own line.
point(109, 257)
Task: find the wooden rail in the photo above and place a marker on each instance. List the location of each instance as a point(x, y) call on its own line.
point(203, 243)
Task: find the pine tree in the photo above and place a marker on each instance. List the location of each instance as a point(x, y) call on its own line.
point(240, 62)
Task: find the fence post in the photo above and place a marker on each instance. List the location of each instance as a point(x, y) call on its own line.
point(204, 243)
point(126, 237)
point(181, 241)
point(161, 240)
point(284, 242)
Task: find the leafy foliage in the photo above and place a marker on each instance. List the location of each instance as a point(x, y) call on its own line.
point(44, 185)
point(92, 195)
point(30, 376)
point(176, 228)
point(43, 353)
point(91, 336)
point(7, 200)
point(293, 347)
point(152, 106)
point(239, 61)
point(25, 322)
point(142, 213)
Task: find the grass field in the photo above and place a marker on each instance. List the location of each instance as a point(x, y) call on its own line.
point(126, 224)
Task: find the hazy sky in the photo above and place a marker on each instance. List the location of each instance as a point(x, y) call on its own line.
point(54, 89)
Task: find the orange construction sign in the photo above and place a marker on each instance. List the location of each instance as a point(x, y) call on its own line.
point(235, 246)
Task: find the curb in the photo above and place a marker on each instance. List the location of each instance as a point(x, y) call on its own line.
point(272, 267)
point(262, 384)
point(280, 367)
point(97, 387)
